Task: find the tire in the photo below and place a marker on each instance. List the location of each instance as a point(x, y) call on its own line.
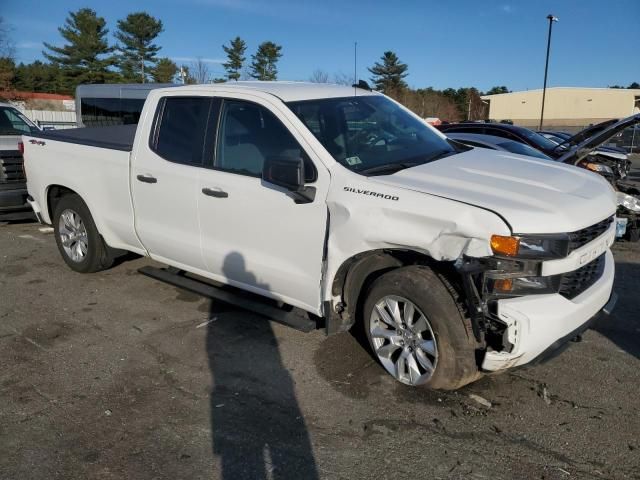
point(78, 225)
point(447, 342)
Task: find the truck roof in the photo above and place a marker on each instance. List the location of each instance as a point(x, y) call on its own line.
point(286, 91)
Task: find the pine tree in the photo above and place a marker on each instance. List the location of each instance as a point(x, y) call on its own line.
point(235, 55)
point(497, 90)
point(388, 76)
point(86, 57)
point(263, 63)
point(137, 52)
point(164, 71)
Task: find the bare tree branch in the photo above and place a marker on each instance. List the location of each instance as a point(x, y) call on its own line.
point(200, 71)
point(342, 78)
point(7, 47)
point(319, 76)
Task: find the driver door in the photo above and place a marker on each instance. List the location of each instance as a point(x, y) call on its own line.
point(253, 234)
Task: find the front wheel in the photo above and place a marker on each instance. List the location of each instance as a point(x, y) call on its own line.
point(417, 330)
point(77, 237)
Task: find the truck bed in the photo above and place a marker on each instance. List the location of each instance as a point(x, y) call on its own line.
point(119, 137)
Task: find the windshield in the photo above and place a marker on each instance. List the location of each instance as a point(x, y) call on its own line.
point(368, 132)
point(538, 140)
point(522, 149)
point(12, 122)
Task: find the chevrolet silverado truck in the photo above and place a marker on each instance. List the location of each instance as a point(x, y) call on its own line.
point(342, 204)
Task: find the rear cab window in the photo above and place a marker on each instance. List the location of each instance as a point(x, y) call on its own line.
point(12, 122)
point(180, 130)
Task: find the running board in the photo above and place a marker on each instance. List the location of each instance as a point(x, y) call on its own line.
point(295, 318)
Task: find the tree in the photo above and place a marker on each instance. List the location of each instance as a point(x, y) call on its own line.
point(319, 76)
point(38, 77)
point(634, 85)
point(136, 35)
point(164, 71)
point(235, 58)
point(497, 90)
point(200, 71)
point(7, 49)
point(263, 64)
point(342, 78)
point(7, 73)
point(389, 75)
point(86, 57)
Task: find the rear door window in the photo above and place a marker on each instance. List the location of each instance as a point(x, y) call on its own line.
point(180, 130)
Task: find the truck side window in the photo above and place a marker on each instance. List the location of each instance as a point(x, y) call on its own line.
point(248, 134)
point(181, 128)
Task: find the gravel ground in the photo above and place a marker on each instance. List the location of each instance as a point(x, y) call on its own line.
point(115, 375)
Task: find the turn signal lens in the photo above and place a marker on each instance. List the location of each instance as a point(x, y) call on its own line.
point(503, 285)
point(505, 245)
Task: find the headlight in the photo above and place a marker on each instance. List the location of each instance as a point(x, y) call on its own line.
point(629, 202)
point(597, 167)
point(531, 246)
point(521, 285)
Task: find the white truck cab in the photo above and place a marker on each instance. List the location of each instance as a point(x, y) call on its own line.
point(342, 203)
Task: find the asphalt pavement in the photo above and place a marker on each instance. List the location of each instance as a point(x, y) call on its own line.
point(117, 376)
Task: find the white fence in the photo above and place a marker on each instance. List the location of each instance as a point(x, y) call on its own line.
point(51, 118)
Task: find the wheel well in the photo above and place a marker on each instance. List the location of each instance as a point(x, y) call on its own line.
point(54, 194)
point(357, 273)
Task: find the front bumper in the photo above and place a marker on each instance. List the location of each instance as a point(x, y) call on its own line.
point(536, 322)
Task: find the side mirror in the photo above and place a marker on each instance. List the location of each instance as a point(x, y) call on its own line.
point(288, 173)
point(285, 172)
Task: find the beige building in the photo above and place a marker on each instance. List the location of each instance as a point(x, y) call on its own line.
point(564, 106)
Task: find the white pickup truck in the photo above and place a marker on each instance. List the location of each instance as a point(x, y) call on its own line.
point(341, 203)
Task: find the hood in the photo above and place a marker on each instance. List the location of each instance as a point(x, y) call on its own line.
point(532, 195)
point(582, 149)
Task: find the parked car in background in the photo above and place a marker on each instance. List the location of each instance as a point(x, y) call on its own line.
point(506, 131)
point(101, 105)
point(13, 188)
point(338, 201)
point(497, 143)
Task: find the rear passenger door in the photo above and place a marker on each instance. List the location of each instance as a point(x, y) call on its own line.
point(165, 179)
point(254, 235)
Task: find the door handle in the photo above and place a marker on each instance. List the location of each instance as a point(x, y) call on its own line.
point(147, 178)
point(214, 193)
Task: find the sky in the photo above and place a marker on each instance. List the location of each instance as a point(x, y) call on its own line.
point(445, 44)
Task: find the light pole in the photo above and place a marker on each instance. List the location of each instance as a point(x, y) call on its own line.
point(551, 19)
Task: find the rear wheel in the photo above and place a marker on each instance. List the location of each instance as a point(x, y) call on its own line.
point(77, 237)
point(417, 330)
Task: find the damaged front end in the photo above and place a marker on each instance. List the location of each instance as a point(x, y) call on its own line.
point(514, 271)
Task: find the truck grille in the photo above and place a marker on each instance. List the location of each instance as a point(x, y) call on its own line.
point(584, 236)
point(11, 167)
point(574, 283)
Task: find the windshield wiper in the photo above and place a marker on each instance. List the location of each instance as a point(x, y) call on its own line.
point(388, 168)
point(442, 154)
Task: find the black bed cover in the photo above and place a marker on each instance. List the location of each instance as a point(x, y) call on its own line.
point(118, 137)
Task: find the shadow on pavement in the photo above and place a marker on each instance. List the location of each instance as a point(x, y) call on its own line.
point(623, 327)
point(258, 430)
